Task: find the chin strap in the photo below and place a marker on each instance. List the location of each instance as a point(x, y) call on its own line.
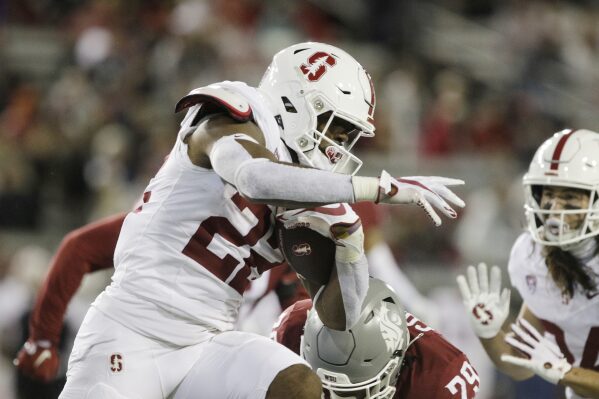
point(417, 337)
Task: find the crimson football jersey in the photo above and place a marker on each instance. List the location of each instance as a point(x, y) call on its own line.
point(432, 369)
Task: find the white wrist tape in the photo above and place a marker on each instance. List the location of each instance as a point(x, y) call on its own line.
point(264, 180)
point(365, 188)
point(353, 281)
point(227, 155)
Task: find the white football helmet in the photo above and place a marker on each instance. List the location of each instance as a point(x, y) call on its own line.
point(312, 84)
point(365, 360)
point(570, 158)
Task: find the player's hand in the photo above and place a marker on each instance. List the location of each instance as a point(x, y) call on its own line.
point(545, 358)
point(487, 305)
point(338, 222)
point(38, 359)
point(428, 192)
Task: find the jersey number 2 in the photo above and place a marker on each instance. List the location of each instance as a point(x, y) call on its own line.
point(231, 270)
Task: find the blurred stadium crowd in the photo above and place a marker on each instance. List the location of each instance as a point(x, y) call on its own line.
point(465, 88)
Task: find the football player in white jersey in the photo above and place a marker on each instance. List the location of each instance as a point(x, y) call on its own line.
point(555, 268)
point(205, 229)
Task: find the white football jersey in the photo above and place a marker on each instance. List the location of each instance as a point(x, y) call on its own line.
point(573, 323)
point(186, 255)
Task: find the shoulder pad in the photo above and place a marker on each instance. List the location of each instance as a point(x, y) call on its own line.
point(221, 97)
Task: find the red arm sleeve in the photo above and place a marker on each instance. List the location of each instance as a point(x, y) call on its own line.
point(82, 251)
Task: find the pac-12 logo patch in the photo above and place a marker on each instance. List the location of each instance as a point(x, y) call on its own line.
point(116, 362)
point(317, 65)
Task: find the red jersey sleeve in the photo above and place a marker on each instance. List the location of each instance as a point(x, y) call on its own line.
point(434, 368)
point(82, 251)
point(289, 328)
point(460, 378)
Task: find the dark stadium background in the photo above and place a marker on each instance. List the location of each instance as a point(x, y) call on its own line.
point(466, 89)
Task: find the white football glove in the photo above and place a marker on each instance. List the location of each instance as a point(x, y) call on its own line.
point(487, 305)
point(339, 222)
point(545, 358)
point(424, 191)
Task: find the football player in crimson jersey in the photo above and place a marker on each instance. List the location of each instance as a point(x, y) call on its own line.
point(89, 249)
point(555, 268)
point(165, 325)
point(386, 354)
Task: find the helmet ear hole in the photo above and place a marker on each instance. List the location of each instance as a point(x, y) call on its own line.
point(288, 105)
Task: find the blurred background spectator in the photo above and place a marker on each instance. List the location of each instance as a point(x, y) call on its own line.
point(466, 89)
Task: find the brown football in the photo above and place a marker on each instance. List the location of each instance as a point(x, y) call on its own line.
point(309, 253)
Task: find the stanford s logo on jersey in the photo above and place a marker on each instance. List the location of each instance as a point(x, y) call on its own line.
point(116, 362)
point(317, 65)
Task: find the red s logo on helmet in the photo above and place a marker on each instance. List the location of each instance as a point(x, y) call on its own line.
point(317, 65)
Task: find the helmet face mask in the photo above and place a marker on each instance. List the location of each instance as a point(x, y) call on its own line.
point(381, 386)
point(308, 80)
point(321, 150)
point(561, 189)
point(559, 222)
point(364, 361)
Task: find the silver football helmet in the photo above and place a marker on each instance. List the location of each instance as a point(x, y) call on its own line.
point(312, 87)
point(570, 158)
point(365, 360)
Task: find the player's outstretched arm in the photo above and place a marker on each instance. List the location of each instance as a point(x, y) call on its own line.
point(236, 151)
point(82, 251)
point(488, 308)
